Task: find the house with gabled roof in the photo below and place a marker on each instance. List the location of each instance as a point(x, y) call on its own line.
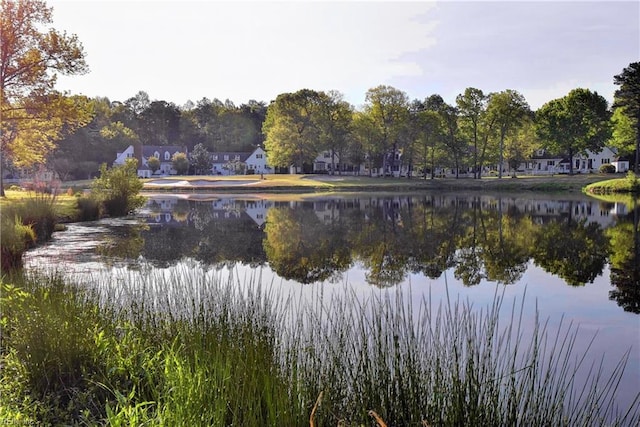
point(240, 162)
point(543, 162)
point(142, 153)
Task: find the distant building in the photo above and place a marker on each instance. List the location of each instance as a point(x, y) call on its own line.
point(142, 153)
point(240, 162)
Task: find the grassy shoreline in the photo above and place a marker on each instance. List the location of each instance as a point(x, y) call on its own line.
point(215, 351)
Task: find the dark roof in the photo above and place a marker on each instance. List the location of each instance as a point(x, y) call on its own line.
point(627, 158)
point(149, 150)
point(243, 155)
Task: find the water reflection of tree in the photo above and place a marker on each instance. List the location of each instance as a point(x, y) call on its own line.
point(299, 247)
point(197, 234)
point(625, 261)
point(379, 245)
point(123, 244)
point(574, 250)
point(480, 237)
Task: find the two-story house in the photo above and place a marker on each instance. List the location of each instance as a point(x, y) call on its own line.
point(240, 162)
point(543, 162)
point(142, 153)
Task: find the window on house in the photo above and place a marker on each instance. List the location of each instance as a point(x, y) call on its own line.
point(551, 162)
point(258, 156)
point(215, 157)
point(605, 161)
point(327, 154)
point(167, 156)
point(156, 154)
point(226, 157)
point(578, 163)
point(237, 157)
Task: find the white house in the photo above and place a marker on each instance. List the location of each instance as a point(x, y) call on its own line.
point(142, 153)
point(240, 162)
point(543, 162)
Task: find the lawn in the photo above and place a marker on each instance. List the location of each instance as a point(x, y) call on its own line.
point(65, 205)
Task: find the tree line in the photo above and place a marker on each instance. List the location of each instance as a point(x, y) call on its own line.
point(73, 135)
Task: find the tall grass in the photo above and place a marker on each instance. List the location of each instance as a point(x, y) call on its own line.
point(193, 348)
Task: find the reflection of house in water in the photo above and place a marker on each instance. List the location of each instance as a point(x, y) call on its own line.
point(257, 210)
point(161, 209)
point(542, 211)
point(604, 214)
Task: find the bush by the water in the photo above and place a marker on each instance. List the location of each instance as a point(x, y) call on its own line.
point(88, 208)
point(607, 168)
point(189, 349)
point(25, 223)
point(16, 239)
point(118, 188)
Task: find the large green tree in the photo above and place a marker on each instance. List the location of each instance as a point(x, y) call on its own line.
point(388, 109)
point(32, 55)
point(508, 108)
point(574, 124)
point(201, 160)
point(293, 137)
point(628, 98)
point(334, 121)
point(472, 106)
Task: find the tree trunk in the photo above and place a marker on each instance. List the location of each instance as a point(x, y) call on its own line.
point(501, 154)
point(638, 146)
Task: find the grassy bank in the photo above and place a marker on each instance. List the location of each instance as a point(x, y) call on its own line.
point(194, 349)
point(627, 185)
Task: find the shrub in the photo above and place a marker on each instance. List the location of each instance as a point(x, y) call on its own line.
point(88, 209)
point(607, 168)
point(118, 188)
point(180, 163)
point(16, 239)
point(40, 214)
point(634, 182)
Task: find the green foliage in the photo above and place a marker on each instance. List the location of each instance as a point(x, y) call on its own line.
point(627, 97)
point(236, 355)
point(118, 188)
point(88, 209)
point(574, 124)
point(388, 111)
point(607, 168)
point(45, 335)
point(508, 110)
point(16, 239)
point(180, 163)
point(154, 163)
point(630, 184)
point(201, 160)
point(623, 136)
point(291, 128)
point(40, 212)
point(633, 181)
point(34, 116)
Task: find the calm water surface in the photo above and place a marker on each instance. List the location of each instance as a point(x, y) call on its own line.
point(574, 260)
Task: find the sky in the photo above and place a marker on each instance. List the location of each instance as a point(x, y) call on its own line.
point(178, 51)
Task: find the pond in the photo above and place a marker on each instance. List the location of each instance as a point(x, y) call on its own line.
point(571, 259)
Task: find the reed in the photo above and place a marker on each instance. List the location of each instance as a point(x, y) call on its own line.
point(191, 347)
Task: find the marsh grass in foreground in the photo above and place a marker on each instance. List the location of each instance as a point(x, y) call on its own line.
point(192, 348)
